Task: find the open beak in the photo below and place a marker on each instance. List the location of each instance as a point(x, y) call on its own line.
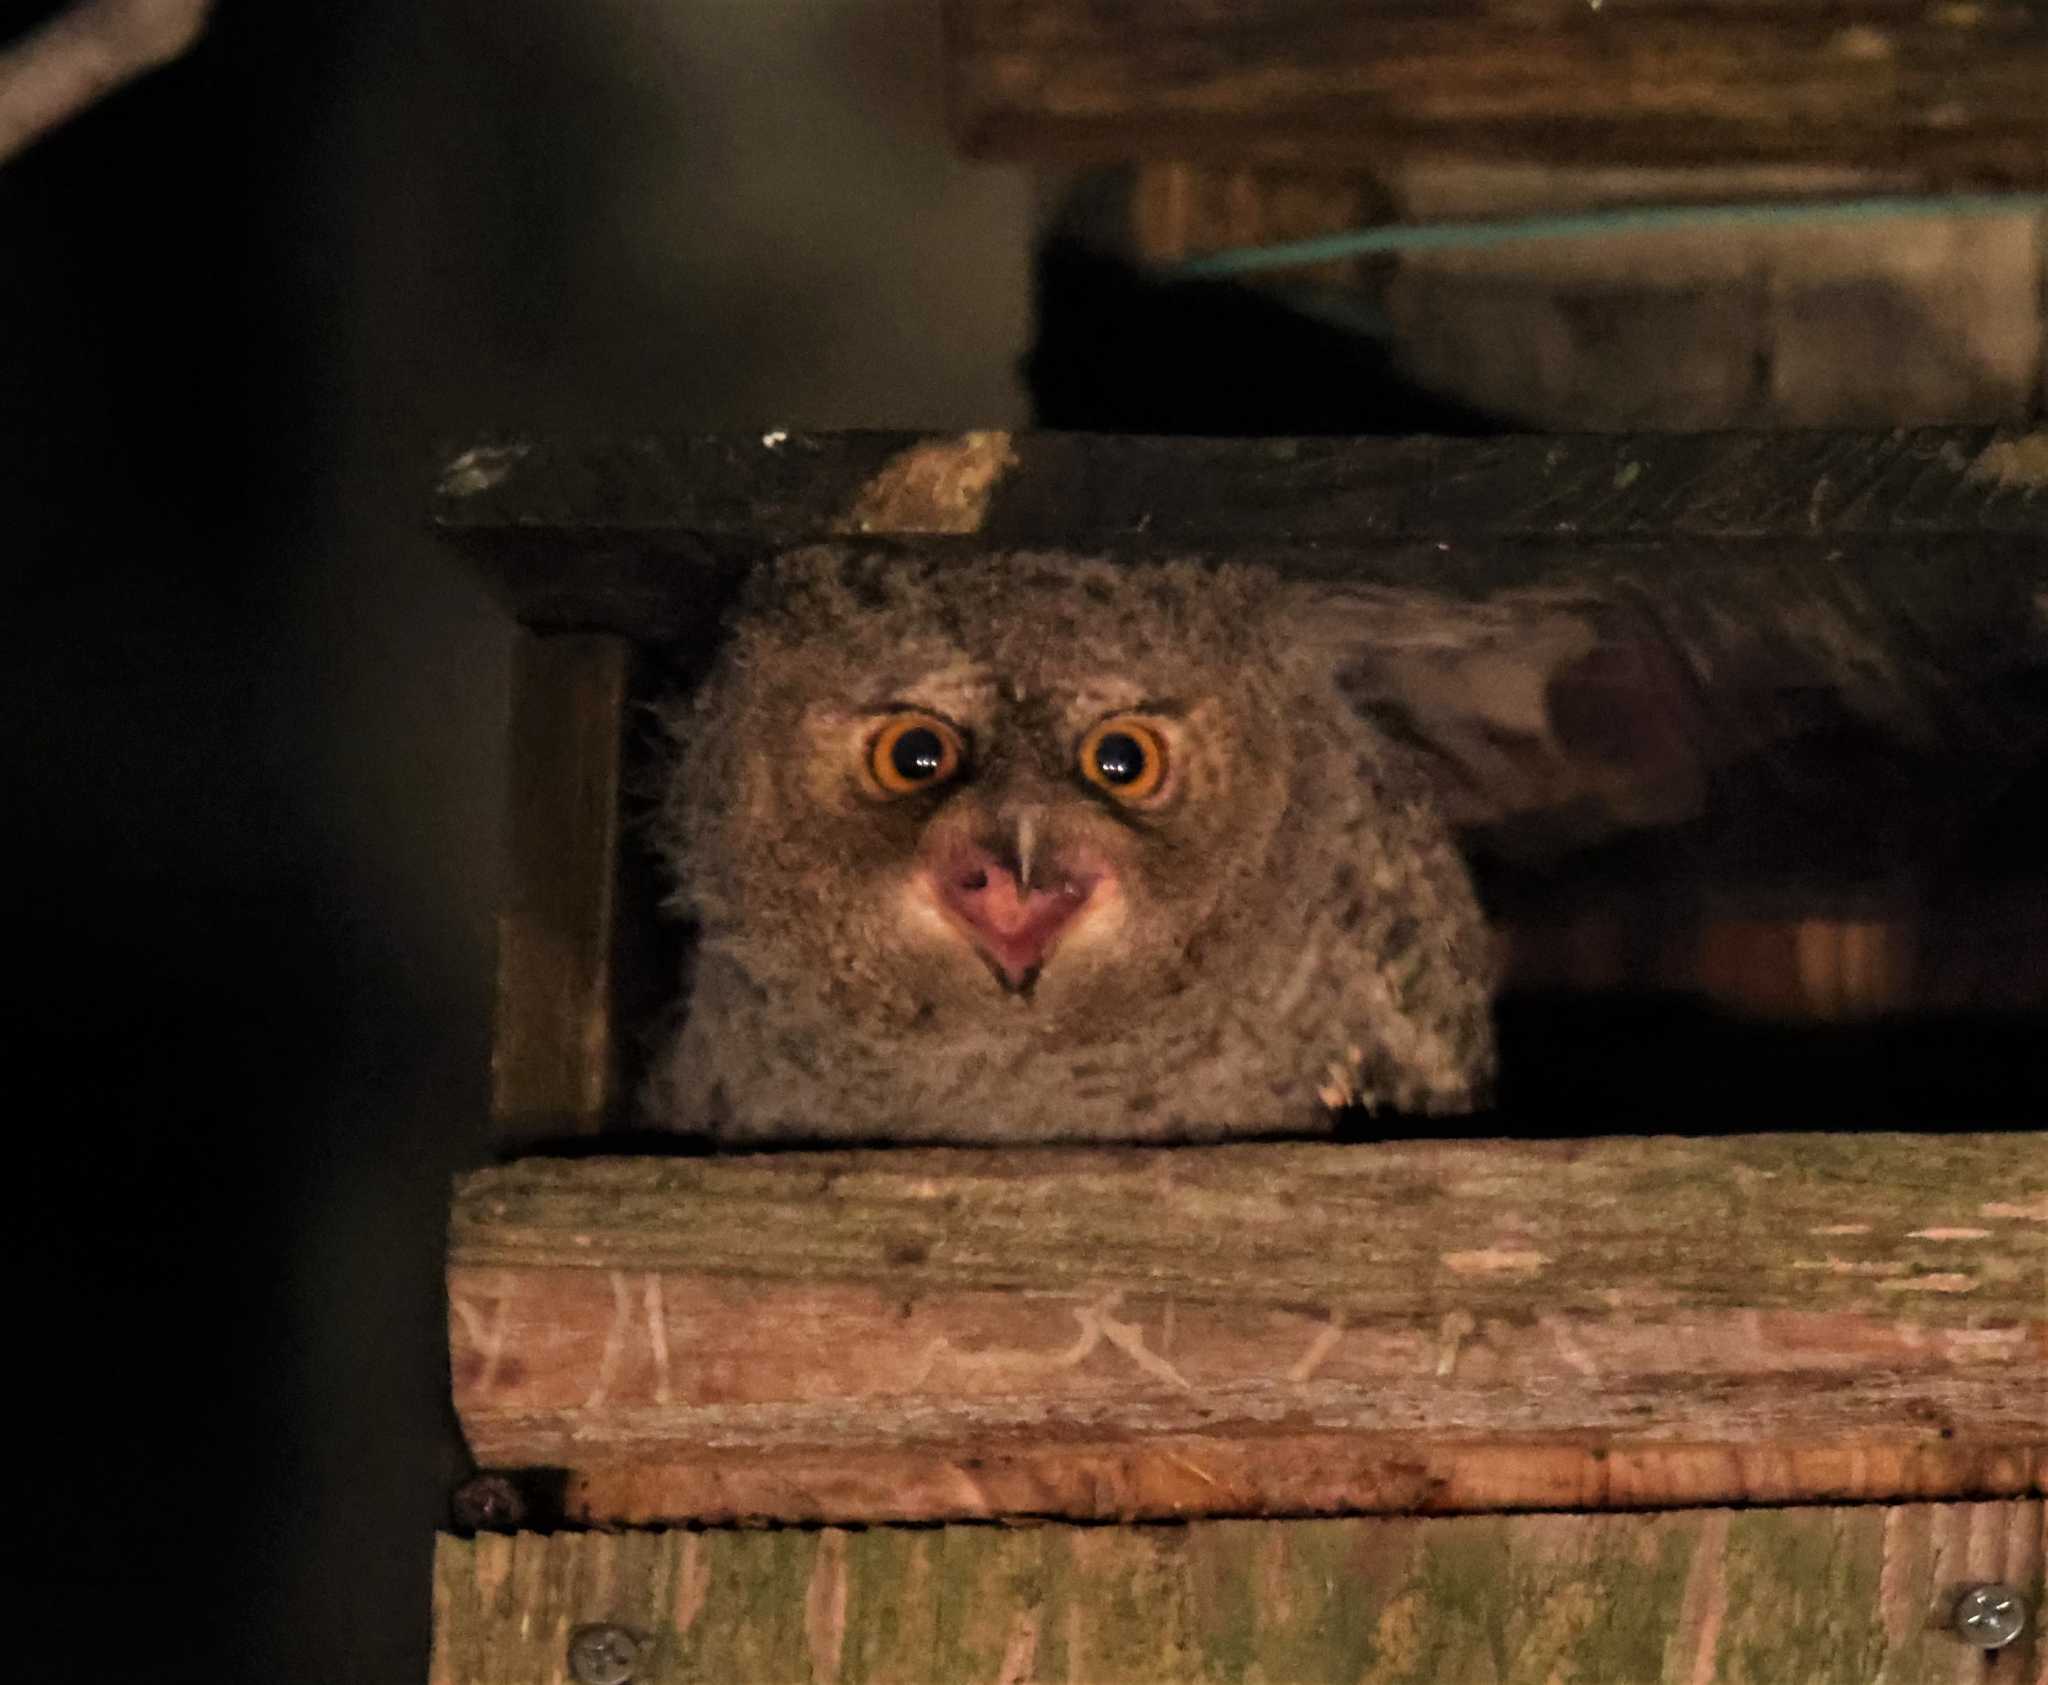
point(1010, 905)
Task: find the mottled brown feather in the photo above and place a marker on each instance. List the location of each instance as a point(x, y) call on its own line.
point(1293, 933)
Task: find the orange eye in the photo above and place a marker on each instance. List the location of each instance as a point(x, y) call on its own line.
point(914, 752)
point(1126, 757)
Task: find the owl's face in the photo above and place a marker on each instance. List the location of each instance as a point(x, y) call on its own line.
point(1036, 790)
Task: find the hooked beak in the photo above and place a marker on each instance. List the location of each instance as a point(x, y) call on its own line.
point(1012, 903)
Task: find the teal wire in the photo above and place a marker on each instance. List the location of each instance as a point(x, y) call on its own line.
point(1620, 219)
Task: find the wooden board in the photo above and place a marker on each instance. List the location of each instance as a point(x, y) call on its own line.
point(1951, 93)
point(1582, 636)
point(554, 1061)
point(601, 533)
point(1758, 324)
point(1761, 1597)
point(1267, 1329)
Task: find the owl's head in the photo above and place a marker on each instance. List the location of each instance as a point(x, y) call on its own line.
point(1027, 786)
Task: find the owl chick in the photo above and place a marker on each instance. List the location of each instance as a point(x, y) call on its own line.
point(1037, 848)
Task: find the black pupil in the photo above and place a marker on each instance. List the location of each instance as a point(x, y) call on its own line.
point(917, 755)
point(1120, 758)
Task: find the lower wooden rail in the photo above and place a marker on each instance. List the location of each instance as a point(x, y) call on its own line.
point(1816, 1596)
point(1260, 1330)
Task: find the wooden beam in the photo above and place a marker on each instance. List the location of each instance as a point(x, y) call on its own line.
point(638, 527)
point(1950, 94)
point(1583, 636)
point(1258, 1330)
point(1857, 1596)
point(555, 1064)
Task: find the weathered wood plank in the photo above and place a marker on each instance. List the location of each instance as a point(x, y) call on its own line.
point(1259, 1329)
point(555, 1051)
point(1861, 1596)
point(1757, 323)
point(1582, 636)
point(1174, 1476)
point(1951, 94)
point(1130, 495)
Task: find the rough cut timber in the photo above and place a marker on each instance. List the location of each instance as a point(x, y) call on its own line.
point(1951, 93)
point(1757, 1597)
point(1260, 1330)
point(556, 1043)
point(1586, 636)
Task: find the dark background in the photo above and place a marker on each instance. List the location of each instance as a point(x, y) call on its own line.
point(252, 713)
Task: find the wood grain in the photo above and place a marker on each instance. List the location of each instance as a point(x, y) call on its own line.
point(1951, 93)
point(1754, 324)
point(679, 503)
point(1842, 639)
point(554, 1062)
point(1259, 1329)
point(1762, 1597)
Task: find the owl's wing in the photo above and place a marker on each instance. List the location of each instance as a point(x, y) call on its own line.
point(1542, 715)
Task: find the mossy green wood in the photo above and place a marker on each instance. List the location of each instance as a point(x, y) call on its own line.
point(1860, 1596)
point(1260, 1330)
point(1950, 1230)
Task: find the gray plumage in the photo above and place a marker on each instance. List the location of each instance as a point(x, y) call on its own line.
point(1281, 928)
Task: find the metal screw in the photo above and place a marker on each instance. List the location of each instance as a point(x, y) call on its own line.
point(603, 1655)
point(1991, 1617)
point(487, 1503)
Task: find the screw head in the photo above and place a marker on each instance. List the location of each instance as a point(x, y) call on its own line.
point(603, 1654)
point(488, 1503)
point(1990, 1617)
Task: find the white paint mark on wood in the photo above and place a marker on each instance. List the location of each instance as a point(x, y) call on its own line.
point(1951, 1234)
point(1840, 1229)
point(2028, 1211)
point(1984, 1345)
point(1568, 1346)
point(1194, 1468)
point(488, 1338)
point(1832, 1265)
point(1452, 1333)
point(1097, 1325)
point(1930, 1284)
point(1495, 1260)
point(614, 1341)
point(1129, 1339)
point(1319, 1348)
point(657, 1337)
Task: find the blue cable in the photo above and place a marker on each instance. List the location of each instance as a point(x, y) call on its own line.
point(1620, 219)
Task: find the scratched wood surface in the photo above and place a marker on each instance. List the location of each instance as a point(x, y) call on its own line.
point(1759, 1597)
point(1952, 93)
point(1259, 1329)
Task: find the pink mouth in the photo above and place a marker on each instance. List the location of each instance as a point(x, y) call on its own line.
point(1015, 929)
